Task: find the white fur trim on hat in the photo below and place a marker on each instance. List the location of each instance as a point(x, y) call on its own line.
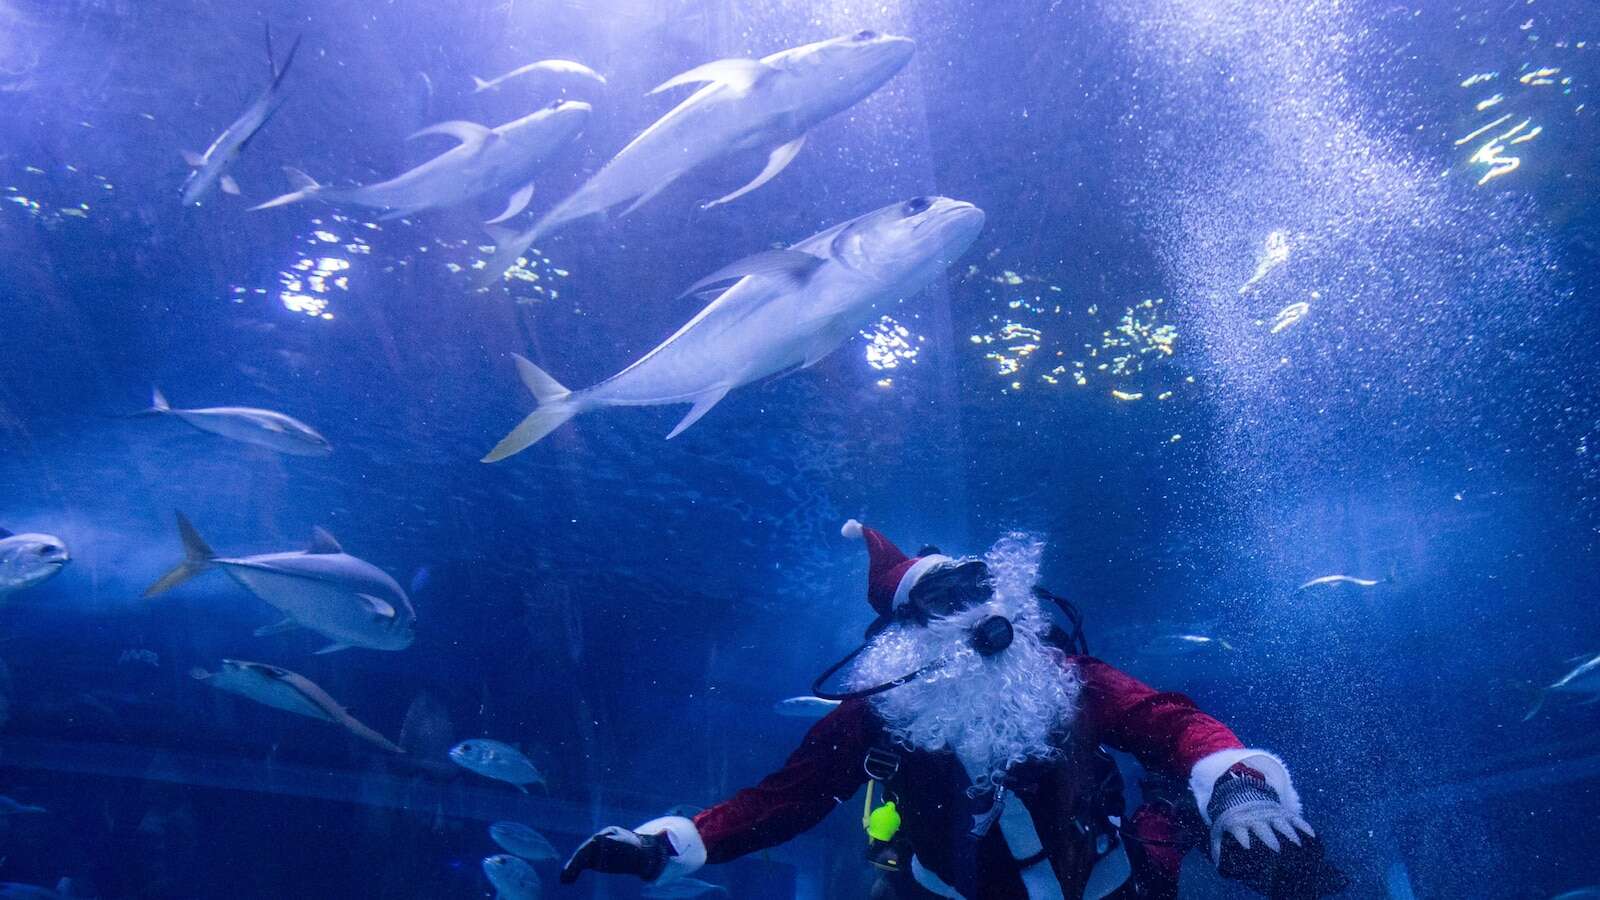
point(902, 591)
point(851, 529)
point(1203, 777)
point(685, 839)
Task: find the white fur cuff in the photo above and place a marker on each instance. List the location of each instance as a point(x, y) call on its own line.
point(685, 839)
point(1203, 777)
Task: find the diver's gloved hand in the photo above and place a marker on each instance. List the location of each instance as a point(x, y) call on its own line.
point(618, 851)
point(1243, 805)
point(1293, 868)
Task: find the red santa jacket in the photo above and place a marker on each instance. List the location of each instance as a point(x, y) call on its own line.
point(1166, 732)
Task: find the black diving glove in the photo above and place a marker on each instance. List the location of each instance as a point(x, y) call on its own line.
point(1293, 868)
point(618, 851)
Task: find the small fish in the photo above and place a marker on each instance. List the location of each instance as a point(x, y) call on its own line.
point(1585, 680)
point(285, 690)
point(1183, 644)
point(484, 162)
point(804, 707)
point(1340, 579)
point(12, 890)
point(681, 889)
point(492, 759)
point(551, 66)
point(260, 427)
point(147, 657)
point(520, 840)
point(1583, 893)
point(513, 879)
point(348, 600)
point(211, 167)
point(787, 310)
point(11, 807)
point(29, 559)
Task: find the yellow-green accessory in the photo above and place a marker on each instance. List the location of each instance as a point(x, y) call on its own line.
point(882, 823)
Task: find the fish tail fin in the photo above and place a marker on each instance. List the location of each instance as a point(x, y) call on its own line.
point(197, 558)
point(1538, 704)
point(556, 406)
point(304, 186)
point(509, 245)
point(158, 406)
point(478, 85)
point(279, 71)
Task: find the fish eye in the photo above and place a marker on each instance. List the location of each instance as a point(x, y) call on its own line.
point(864, 35)
point(917, 205)
point(46, 550)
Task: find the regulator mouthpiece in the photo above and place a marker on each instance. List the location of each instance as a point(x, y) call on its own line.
point(992, 635)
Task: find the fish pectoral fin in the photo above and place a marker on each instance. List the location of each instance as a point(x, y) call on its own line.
point(277, 628)
point(739, 74)
point(193, 159)
point(791, 266)
point(518, 202)
point(379, 606)
point(469, 133)
point(701, 407)
point(332, 648)
point(776, 162)
point(229, 186)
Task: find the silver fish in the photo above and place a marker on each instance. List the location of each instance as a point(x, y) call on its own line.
point(14, 890)
point(348, 600)
point(211, 167)
point(681, 889)
point(493, 759)
point(513, 879)
point(11, 807)
point(485, 162)
point(1340, 579)
point(789, 309)
point(805, 707)
point(1584, 893)
point(748, 104)
point(1583, 680)
point(29, 559)
point(544, 66)
point(520, 840)
point(1183, 645)
point(285, 690)
point(248, 425)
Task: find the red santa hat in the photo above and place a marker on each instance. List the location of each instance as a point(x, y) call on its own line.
point(890, 573)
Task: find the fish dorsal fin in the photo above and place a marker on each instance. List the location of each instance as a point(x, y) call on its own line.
point(470, 134)
point(378, 606)
point(701, 407)
point(776, 162)
point(792, 266)
point(739, 74)
point(323, 542)
point(5, 534)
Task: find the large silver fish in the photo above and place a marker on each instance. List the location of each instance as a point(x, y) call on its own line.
point(486, 161)
point(789, 309)
point(28, 559)
point(211, 167)
point(559, 67)
point(288, 691)
point(497, 760)
point(520, 840)
point(748, 104)
point(681, 889)
point(248, 425)
point(1583, 680)
point(348, 600)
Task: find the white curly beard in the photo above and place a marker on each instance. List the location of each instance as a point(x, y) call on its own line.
point(992, 712)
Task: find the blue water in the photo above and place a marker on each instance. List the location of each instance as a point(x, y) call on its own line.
point(1118, 365)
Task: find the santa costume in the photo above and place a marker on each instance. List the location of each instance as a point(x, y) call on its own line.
point(990, 752)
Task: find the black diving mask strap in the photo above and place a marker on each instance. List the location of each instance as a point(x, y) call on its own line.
point(816, 686)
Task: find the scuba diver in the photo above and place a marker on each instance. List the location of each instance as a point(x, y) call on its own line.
point(977, 725)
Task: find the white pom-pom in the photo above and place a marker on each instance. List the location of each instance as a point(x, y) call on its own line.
point(851, 529)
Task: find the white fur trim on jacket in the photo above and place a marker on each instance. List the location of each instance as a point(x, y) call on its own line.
point(1203, 777)
point(902, 591)
point(685, 839)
